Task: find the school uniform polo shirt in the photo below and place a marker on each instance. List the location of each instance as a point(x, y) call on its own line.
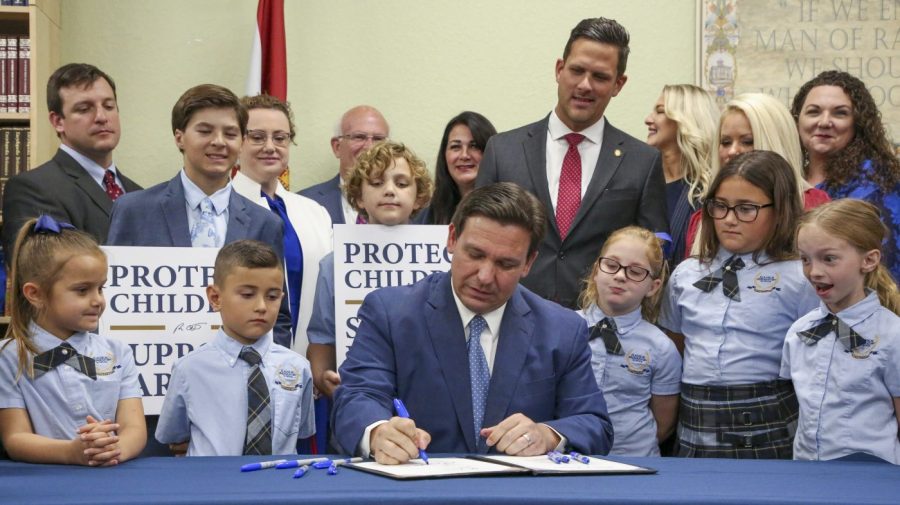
point(846, 397)
point(729, 342)
point(207, 398)
point(650, 365)
point(59, 401)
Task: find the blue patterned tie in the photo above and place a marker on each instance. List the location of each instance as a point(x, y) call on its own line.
point(480, 376)
point(204, 233)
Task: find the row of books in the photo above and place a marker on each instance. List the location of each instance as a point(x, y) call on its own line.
point(15, 144)
point(15, 70)
point(17, 3)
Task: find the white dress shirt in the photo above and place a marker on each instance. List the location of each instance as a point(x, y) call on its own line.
point(557, 145)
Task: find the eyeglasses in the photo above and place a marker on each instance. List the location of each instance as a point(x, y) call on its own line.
point(744, 212)
point(258, 138)
point(632, 272)
point(361, 138)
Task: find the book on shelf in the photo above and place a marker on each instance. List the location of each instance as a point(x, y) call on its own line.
point(23, 74)
point(15, 142)
point(15, 70)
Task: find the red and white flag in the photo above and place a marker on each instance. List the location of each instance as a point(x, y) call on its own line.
point(268, 61)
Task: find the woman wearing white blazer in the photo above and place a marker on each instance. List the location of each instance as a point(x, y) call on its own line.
point(308, 237)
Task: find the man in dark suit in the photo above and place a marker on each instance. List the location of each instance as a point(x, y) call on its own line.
point(81, 181)
point(209, 124)
point(594, 177)
point(481, 363)
point(358, 129)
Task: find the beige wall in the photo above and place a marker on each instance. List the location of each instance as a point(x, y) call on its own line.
point(419, 61)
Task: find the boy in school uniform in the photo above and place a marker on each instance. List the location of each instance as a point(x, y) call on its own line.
point(198, 206)
point(241, 393)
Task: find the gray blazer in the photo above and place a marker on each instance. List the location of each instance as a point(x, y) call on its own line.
point(60, 188)
point(328, 195)
point(627, 188)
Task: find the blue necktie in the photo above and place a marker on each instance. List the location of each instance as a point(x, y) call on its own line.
point(293, 258)
point(480, 376)
point(204, 232)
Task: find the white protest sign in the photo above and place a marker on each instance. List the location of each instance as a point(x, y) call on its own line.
point(156, 303)
point(370, 257)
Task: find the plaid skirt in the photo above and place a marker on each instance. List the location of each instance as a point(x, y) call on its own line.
point(753, 421)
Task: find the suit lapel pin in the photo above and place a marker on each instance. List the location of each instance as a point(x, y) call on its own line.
point(617, 153)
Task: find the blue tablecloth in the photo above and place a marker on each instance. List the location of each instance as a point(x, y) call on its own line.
point(679, 481)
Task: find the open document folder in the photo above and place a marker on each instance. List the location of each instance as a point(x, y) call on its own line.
point(474, 466)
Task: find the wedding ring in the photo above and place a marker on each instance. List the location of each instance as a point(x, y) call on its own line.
point(527, 438)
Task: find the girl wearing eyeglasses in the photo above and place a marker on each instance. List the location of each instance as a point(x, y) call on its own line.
point(729, 309)
point(636, 366)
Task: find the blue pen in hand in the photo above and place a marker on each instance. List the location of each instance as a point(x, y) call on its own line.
point(402, 412)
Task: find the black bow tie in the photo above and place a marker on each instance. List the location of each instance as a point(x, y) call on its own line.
point(849, 338)
point(64, 353)
point(727, 275)
point(606, 329)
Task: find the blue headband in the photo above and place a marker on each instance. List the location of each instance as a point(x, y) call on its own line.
point(46, 224)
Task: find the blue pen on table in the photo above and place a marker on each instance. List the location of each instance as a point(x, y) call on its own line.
point(301, 471)
point(332, 469)
point(557, 457)
point(318, 465)
point(262, 465)
point(402, 412)
point(294, 463)
point(580, 457)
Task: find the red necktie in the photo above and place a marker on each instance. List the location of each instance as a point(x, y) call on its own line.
point(113, 190)
point(569, 197)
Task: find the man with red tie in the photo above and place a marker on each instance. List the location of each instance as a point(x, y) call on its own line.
point(79, 184)
point(592, 177)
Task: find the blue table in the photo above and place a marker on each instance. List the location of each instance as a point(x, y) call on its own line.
point(679, 481)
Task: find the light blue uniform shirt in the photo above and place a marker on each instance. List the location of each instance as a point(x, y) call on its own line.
point(726, 342)
point(59, 400)
point(207, 398)
point(846, 400)
point(193, 195)
point(321, 328)
point(651, 365)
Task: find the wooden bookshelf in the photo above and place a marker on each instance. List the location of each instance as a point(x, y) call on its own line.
point(41, 22)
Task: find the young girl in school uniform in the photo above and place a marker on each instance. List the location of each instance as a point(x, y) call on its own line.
point(730, 308)
point(636, 366)
point(67, 396)
point(844, 356)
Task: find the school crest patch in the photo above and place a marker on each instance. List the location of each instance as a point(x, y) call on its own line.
point(288, 377)
point(105, 364)
point(637, 363)
point(765, 282)
point(866, 349)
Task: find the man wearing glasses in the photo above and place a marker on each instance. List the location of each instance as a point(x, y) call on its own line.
point(357, 130)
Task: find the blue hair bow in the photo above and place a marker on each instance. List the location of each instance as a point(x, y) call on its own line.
point(46, 224)
point(667, 244)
